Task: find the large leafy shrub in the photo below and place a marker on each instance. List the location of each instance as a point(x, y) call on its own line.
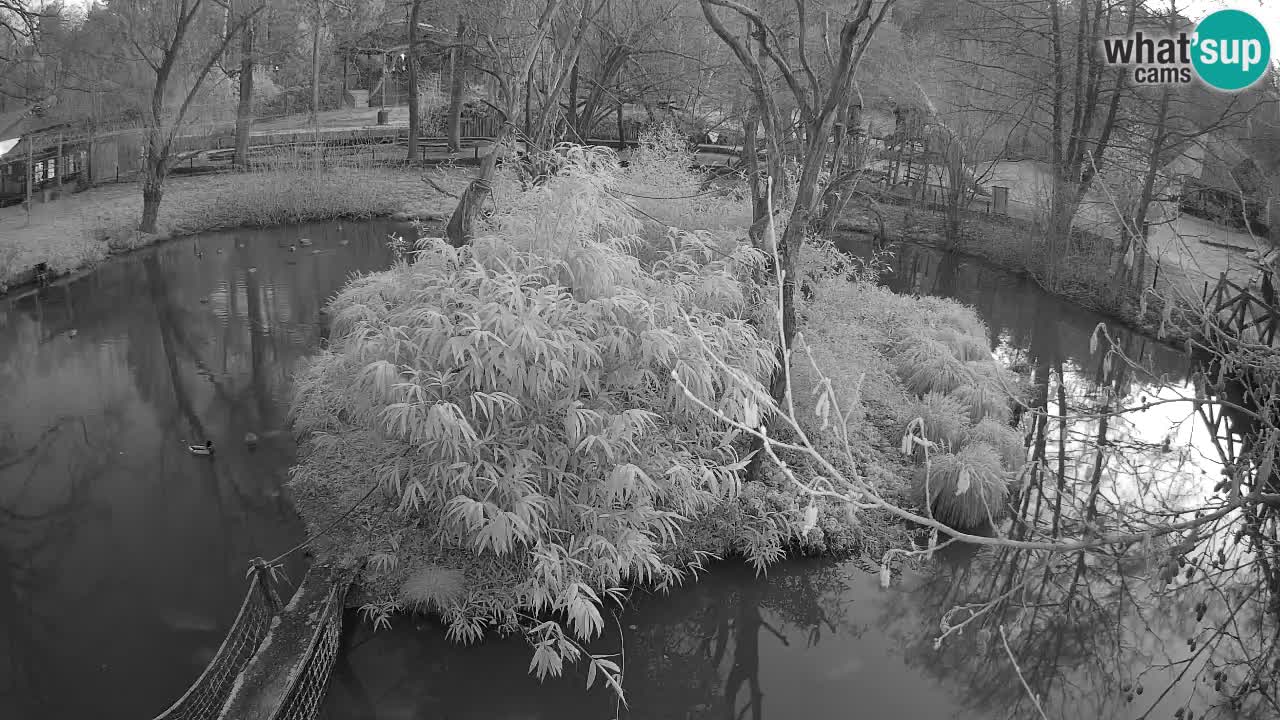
point(514, 400)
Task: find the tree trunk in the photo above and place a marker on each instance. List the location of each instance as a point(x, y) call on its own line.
point(415, 116)
point(244, 110)
point(1138, 233)
point(152, 193)
point(573, 103)
point(455, 90)
point(759, 203)
point(315, 66)
point(622, 139)
point(461, 228)
point(528, 104)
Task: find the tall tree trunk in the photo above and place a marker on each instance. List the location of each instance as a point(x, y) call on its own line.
point(1138, 233)
point(153, 182)
point(455, 90)
point(750, 158)
point(622, 139)
point(244, 110)
point(573, 104)
point(528, 103)
point(315, 65)
point(415, 118)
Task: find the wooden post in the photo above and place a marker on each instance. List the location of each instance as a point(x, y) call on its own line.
point(58, 165)
point(262, 574)
point(622, 138)
point(86, 177)
point(31, 175)
point(345, 60)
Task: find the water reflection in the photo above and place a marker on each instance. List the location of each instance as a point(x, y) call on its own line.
point(808, 640)
point(122, 556)
point(1051, 338)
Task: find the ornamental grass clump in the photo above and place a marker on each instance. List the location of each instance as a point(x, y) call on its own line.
point(514, 401)
point(944, 421)
point(983, 400)
point(964, 346)
point(925, 365)
point(965, 489)
point(1006, 441)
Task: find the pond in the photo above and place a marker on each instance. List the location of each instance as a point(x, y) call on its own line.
point(122, 556)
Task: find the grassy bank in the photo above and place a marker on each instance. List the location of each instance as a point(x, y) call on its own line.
point(77, 231)
point(496, 434)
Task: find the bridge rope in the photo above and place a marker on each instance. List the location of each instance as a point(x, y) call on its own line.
point(275, 562)
point(204, 699)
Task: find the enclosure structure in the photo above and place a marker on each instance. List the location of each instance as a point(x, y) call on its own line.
point(41, 165)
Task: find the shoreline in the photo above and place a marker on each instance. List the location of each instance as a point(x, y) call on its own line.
point(81, 231)
point(29, 285)
point(1147, 325)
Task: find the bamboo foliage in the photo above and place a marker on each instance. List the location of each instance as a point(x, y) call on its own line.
point(519, 391)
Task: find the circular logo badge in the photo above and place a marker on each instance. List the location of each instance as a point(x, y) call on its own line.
point(1232, 50)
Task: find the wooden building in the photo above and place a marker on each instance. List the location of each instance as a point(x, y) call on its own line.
point(57, 160)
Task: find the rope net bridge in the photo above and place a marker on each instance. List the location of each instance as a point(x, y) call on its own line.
point(274, 663)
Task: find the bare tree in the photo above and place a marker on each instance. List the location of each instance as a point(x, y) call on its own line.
point(818, 104)
point(165, 35)
point(244, 108)
point(507, 68)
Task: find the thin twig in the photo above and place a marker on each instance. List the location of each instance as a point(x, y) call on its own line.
point(1034, 700)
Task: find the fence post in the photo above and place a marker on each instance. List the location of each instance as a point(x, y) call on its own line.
point(58, 165)
point(262, 575)
point(31, 174)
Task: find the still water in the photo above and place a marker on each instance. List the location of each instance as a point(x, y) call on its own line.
point(122, 556)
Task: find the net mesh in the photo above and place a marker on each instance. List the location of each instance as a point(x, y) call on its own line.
point(306, 696)
point(204, 699)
